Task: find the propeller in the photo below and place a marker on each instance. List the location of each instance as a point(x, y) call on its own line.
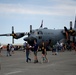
point(17, 35)
point(70, 32)
point(13, 35)
point(10, 34)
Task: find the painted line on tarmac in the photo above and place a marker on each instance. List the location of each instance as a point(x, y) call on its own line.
point(10, 73)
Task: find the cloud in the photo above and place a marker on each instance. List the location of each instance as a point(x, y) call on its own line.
point(67, 7)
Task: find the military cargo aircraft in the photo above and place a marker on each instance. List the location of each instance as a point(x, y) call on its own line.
point(53, 35)
point(45, 34)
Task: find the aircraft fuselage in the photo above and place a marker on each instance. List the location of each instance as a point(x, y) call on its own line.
point(45, 35)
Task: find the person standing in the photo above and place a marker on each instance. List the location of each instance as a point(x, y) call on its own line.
point(35, 46)
point(27, 52)
point(12, 49)
point(8, 50)
point(44, 53)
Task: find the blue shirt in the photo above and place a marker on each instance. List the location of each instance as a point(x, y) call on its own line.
point(35, 47)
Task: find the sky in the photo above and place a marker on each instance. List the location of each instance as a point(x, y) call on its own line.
point(23, 13)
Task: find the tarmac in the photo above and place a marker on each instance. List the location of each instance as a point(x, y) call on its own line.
point(62, 64)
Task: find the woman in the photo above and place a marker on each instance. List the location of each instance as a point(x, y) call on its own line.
point(44, 53)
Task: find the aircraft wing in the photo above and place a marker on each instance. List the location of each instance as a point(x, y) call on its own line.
point(15, 35)
point(5, 34)
point(11, 34)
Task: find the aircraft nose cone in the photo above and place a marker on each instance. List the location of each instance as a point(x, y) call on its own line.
point(25, 39)
point(30, 40)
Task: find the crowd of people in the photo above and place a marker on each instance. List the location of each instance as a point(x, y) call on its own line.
point(58, 47)
point(43, 48)
point(35, 48)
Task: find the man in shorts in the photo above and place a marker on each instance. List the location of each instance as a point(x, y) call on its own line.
point(35, 46)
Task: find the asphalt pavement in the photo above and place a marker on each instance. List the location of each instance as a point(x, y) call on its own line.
point(62, 64)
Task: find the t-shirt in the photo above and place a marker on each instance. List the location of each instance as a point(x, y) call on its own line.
point(43, 49)
point(35, 47)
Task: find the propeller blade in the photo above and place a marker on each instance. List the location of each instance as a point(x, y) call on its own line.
point(30, 28)
point(66, 33)
point(5, 34)
point(70, 25)
point(12, 34)
point(12, 30)
point(12, 40)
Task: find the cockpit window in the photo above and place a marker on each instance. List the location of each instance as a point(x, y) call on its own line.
point(40, 37)
point(40, 32)
point(32, 32)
